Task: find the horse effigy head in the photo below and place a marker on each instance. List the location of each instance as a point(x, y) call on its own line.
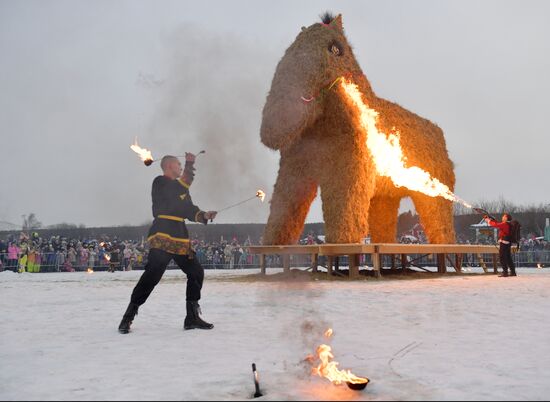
point(303, 79)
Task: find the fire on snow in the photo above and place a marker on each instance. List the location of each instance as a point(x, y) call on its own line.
point(329, 369)
point(388, 155)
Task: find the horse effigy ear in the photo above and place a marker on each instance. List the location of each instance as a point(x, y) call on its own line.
point(337, 22)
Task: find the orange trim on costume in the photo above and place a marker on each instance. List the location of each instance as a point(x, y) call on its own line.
point(166, 235)
point(171, 218)
point(183, 183)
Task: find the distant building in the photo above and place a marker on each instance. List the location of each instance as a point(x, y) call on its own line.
point(484, 232)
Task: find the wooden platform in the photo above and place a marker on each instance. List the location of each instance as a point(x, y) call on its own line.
point(443, 252)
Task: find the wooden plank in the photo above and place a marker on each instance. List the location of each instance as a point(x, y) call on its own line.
point(404, 262)
point(354, 266)
point(262, 264)
point(393, 264)
point(434, 249)
point(495, 264)
point(346, 249)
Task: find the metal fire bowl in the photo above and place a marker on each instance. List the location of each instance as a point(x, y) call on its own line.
point(358, 387)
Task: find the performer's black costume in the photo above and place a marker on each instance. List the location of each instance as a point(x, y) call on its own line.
point(169, 240)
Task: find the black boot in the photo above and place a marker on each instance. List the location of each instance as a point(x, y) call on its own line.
point(128, 318)
point(504, 274)
point(513, 272)
point(193, 319)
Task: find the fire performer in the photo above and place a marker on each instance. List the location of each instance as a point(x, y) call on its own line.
point(505, 239)
point(169, 240)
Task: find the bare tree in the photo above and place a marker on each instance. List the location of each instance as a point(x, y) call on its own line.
point(30, 222)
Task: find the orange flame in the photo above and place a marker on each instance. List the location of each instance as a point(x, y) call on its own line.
point(388, 155)
point(108, 257)
point(144, 154)
point(261, 195)
point(329, 369)
point(90, 271)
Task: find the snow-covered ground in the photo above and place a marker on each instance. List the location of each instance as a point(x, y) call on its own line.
point(468, 337)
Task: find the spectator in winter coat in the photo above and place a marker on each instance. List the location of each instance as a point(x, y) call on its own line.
point(92, 256)
point(13, 256)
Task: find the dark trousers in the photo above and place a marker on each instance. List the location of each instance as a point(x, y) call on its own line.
point(157, 262)
point(506, 260)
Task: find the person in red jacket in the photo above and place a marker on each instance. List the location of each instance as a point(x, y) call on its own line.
point(505, 252)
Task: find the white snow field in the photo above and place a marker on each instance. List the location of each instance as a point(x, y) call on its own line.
point(466, 337)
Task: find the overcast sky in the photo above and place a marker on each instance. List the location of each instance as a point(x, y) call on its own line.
point(80, 79)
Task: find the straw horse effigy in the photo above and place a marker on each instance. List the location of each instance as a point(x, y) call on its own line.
point(321, 134)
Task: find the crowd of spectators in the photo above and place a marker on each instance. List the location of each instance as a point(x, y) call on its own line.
point(31, 253)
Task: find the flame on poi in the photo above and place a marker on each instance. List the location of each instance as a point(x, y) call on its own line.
point(261, 195)
point(388, 155)
point(108, 257)
point(145, 155)
point(90, 271)
point(329, 369)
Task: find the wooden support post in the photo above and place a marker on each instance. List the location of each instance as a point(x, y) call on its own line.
point(262, 264)
point(393, 264)
point(495, 263)
point(458, 262)
point(314, 263)
point(404, 262)
point(482, 263)
point(330, 264)
point(376, 264)
point(353, 266)
point(286, 263)
point(442, 263)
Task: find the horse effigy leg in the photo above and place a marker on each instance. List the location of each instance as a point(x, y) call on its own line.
point(292, 198)
point(383, 216)
point(346, 199)
point(436, 216)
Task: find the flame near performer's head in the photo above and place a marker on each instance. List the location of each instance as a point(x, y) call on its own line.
point(145, 155)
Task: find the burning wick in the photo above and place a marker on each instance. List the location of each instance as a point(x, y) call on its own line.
point(257, 392)
point(145, 155)
point(259, 194)
point(329, 369)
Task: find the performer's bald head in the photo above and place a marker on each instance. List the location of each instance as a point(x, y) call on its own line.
point(171, 166)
